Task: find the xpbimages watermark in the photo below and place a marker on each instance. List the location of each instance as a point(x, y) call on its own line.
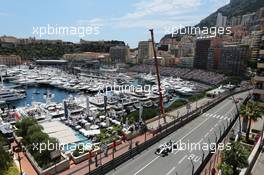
point(173, 147)
point(198, 31)
point(50, 146)
point(79, 31)
point(116, 88)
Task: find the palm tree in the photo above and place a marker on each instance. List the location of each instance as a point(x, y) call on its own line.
point(234, 157)
point(251, 111)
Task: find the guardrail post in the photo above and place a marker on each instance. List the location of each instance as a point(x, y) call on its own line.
point(192, 167)
point(203, 155)
point(215, 137)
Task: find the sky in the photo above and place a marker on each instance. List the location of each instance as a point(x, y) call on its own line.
point(126, 20)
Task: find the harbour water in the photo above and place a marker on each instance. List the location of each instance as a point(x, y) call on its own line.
point(38, 93)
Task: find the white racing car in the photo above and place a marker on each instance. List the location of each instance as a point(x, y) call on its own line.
point(166, 148)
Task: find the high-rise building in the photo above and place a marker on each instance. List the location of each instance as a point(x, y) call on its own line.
point(220, 20)
point(214, 54)
point(258, 91)
point(119, 54)
point(145, 51)
point(255, 44)
point(233, 59)
point(201, 53)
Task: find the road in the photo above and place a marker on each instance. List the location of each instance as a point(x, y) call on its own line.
point(202, 131)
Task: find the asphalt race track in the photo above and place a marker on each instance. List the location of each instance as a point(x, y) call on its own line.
point(202, 131)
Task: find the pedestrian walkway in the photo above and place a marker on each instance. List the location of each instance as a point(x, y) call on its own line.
point(258, 169)
point(25, 163)
point(83, 167)
point(220, 117)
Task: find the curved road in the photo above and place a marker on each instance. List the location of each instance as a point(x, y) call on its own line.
point(202, 131)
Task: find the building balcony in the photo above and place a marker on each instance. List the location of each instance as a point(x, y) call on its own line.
point(260, 102)
point(259, 78)
point(258, 91)
point(261, 52)
point(260, 65)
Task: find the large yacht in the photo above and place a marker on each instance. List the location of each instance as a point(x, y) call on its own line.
point(8, 95)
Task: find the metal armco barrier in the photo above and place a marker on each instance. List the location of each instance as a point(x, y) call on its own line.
point(166, 130)
point(209, 156)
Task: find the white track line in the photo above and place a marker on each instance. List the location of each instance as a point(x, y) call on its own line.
point(182, 159)
point(181, 139)
point(146, 165)
point(176, 151)
point(173, 168)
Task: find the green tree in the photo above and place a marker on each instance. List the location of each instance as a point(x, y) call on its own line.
point(236, 157)
point(5, 159)
point(38, 143)
point(251, 111)
point(226, 169)
point(24, 124)
point(44, 157)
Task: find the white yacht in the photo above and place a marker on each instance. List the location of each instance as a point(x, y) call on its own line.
point(8, 95)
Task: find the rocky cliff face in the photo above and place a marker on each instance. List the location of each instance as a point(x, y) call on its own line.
point(234, 8)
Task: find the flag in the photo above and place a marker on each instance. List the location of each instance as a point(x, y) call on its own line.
point(87, 104)
point(105, 104)
point(17, 116)
point(66, 114)
point(126, 122)
point(140, 113)
point(107, 122)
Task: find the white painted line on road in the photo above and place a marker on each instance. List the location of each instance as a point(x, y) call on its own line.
point(221, 117)
point(211, 129)
point(218, 116)
point(176, 142)
point(173, 168)
point(200, 140)
point(216, 125)
point(146, 165)
point(206, 135)
point(194, 129)
point(188, 133)
point(182, 159)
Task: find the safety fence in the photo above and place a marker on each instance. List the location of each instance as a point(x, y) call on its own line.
point(127, 151)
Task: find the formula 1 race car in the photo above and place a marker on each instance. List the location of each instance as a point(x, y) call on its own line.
point(166, 148)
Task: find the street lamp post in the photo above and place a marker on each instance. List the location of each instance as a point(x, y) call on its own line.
point(220, 129)
point(239, 120)
point(192, 166)
point(19, 160)
point(203, 155)
point(17, 149)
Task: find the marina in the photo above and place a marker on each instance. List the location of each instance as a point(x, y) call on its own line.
point(79, 108)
